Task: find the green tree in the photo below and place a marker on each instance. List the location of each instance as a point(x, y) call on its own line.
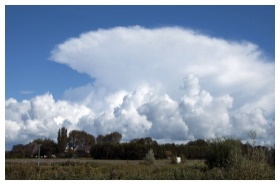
point(62, 140)
point(100, 139)
point(82, 138)
point(144, 141)
point(114, 137)
point(18, 150)
point(199, 142)
point(48, 146)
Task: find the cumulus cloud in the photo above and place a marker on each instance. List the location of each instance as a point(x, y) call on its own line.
point(169, 83)
point(207, 116)
point(39, 117)
point(165, 117)
point(140, 113)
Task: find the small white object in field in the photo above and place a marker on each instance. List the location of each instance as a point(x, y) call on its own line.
point(178, 160)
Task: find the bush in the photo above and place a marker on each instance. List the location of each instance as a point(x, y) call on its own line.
point(271, 157)
point(219, 152)
point(183, 158)
point(253, 165)
point(225, 156)
point(173, 159)
point(150, 158)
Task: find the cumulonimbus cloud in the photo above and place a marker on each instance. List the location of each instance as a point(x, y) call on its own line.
point(168, 83)
point(124, 57)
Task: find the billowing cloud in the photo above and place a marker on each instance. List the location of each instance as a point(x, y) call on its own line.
point(121, 58)
point(39, 117)
point(168, 83)
point(140, 113)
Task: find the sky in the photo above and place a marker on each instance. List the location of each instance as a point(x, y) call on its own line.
point(174, 73)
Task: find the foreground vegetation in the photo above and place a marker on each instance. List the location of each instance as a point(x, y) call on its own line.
point(161, 170)
point(225, 159)
point(143, 158)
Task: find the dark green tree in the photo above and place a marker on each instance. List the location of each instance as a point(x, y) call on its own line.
point(100, 139)
point(18, 150)
point(62, 140)
point(81, 138)
point(48, 146)
point(114, 137)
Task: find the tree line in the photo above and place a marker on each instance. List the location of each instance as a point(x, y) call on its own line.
point(82, 144)
point(137, 149)
point(67, 145)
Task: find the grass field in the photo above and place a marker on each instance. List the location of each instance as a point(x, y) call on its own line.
point(100, 169)
point(83, 169)
point(89, 160)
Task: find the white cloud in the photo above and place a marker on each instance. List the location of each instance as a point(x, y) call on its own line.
point(227, 87)
point(207, 117)
point(165, 117)
point(11, 130)
point(243, 123)
point(123, 57)
point(141, 113)
point(38, 117)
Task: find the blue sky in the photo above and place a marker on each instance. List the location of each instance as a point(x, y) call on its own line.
point(173, 73)
point(33, 31)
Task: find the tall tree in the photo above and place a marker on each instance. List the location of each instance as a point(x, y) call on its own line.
point(59, 139)
point(62, 139)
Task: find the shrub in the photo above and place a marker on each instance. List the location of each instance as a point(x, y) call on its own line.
point(219, 152)
point(173, 159)
point(271, 156)
point(183, 158)
point(251, 166)
point(150, 157)
point(225, 156)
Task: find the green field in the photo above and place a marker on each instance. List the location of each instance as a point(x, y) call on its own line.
point(82, 169)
